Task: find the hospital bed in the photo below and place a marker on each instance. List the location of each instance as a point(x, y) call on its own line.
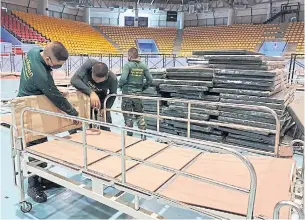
point(214, 179)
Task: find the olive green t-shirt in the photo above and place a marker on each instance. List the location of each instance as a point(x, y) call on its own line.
point(36, 79)
point(132, 78)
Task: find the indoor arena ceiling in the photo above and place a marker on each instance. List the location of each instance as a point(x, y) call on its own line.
point(203, 4)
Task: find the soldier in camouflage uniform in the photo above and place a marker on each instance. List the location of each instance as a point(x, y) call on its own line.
point(132, 82)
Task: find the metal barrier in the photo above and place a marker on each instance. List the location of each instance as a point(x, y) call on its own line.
point(162, 60)
point(186, 141)
point(292, 66)
point(279, 205)
point(13, 63)
point(189, 120)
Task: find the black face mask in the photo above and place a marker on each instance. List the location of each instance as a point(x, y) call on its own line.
point(54, 66)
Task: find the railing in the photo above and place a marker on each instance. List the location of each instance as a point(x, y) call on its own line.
point(278, 206)
point(292, 66)
point(302, 143)
point(185, 141)
point(189, 120)
point(115, 62)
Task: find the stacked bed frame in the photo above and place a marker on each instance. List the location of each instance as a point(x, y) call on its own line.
point(212, 179)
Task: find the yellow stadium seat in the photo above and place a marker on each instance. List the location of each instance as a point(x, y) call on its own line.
point(78, 37)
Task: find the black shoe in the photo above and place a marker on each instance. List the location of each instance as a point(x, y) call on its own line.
point(143, 137)
point(37, 194)
point(46, 184)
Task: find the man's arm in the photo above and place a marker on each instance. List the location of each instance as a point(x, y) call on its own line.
point(77, 78)
point(124, 76)
point(48, 88)
point(148, 78)
point(112, 90)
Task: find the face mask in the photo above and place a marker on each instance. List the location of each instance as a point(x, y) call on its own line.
point(56, 66)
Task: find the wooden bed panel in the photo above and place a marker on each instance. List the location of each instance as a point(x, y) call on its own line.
point(273, 184)
point(105, 140)
point(146, 177)
point(174, 157)
point(274, 176)
point(6, 119)
point(111, 166)
point(144, 149)
point(67, 152)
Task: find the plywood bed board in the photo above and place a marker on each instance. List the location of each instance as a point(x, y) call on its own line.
point(146, 177)
point(144, 149)
point(273, 184)
point(111, 166)
point(46, 123)
point(174, 157)
point(69, 153)
point(105, 140)
point(6, 119)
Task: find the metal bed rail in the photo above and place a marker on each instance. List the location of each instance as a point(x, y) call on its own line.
point(189, 120)
point(302, 143)
point(279, 205)
point(253, 183)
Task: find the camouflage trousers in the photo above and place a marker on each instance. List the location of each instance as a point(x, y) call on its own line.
point(133, 105)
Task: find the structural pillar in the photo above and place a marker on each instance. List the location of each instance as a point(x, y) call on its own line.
point(230, 16)
point(180, 23)
point(42, 7)
point(269, 11)
point(136, 16)
point(87, 15)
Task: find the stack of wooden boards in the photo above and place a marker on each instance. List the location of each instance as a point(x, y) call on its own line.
point(231, 77)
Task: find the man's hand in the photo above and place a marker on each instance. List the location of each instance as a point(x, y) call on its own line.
point(95, 100)
point(102, 113)
point(76, 122)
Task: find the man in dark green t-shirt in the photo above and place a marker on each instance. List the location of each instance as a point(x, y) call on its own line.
point(36, 79)
point(94, 79)
point(132, 82)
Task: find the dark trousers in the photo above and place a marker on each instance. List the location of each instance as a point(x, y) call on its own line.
point(35, 180)
point(95, 117)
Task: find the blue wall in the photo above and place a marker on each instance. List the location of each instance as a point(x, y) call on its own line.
point(147, 46)
point(273, 48)
point(7, 37)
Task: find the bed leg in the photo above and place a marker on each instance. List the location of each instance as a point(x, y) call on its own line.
point(136, 203)
point(20, 176)
point(97, 187)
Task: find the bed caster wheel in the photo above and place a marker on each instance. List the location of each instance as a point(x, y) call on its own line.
point(25, 207)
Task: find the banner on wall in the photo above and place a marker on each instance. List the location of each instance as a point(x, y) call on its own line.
point(129, 21)
point(143, 22)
